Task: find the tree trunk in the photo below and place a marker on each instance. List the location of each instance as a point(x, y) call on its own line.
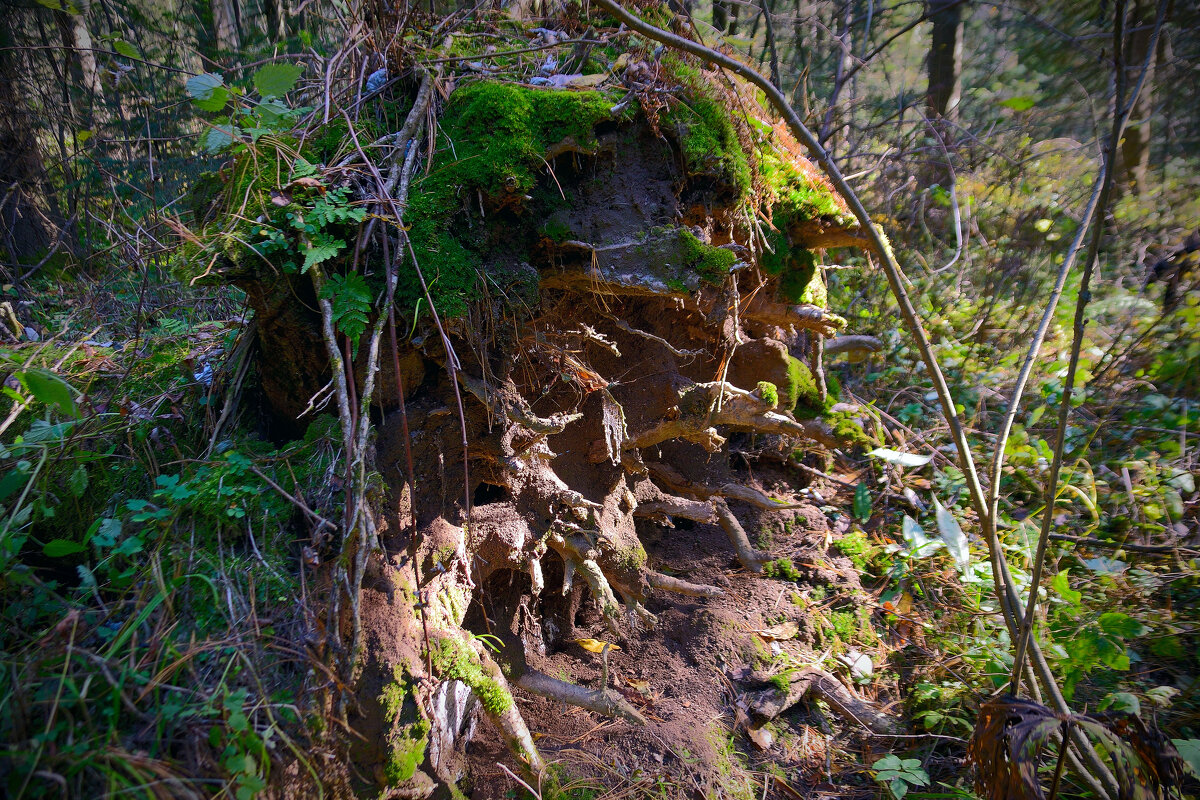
point(225, 14)
point(77, 40)
point(28, 220)
point(277, 14)
point(945, 59)
point(1135, 146)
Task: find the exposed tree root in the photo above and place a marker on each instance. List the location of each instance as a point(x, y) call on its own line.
point(602, 701)
point(703, 406)
point(768, 703)
point(751, 558)
point(804, 316)
point(667, 583)
point(855, 345)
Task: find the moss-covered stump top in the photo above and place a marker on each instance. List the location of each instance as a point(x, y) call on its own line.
point(528, 185)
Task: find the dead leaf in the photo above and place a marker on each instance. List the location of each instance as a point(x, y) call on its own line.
point(781, 632)
point(762, 737)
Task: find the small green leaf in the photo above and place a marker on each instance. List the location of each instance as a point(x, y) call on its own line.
point(1021, 103)
point(1117, 624)
point(1189, 751)
point(77, 482)
point(14, 479)
point(276, 80)
point(862, 502)
point(208, 91)
point(1062, 585)
point(124, 48)
point(57, 548)
point(1121, 701)
point(48, 388)
point(322, 249)
point(218, 137)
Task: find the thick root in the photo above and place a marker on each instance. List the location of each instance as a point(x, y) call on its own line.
point(751, 559)
point(768, 703)
point(706, 405)
point(601, 701)
point(669, 584)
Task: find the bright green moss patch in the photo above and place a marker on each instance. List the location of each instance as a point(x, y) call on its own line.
point(713, 263)
point(800, 281)
point(707, 135)
point(795, 195)
point(406, 742)
point(769, 392)
point(631, 560)
point(453, 660)
point(493, 139)
point(781, 568)
point(782, 680)
point(855, 547)
point(801, 390)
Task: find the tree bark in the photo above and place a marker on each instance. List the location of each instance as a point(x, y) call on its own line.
point(77, 40)
point(28, 218)
point(945, 59)
point(225, 14)
point(1135, 146)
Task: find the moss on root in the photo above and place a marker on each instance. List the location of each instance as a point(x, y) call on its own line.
point(407, 742)
point(454, 660)
point(799, 279)
point(712, 263)
point(769, 392)
point(801, 394)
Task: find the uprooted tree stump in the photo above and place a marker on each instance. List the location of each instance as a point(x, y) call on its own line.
point(626, 278)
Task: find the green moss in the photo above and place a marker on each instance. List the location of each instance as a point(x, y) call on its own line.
point(705, 129)
point(854, 626)
point(556, 231)
point(769, 392)
point(782, 680)
point(796, 195)
point(799, 279)
point(453, 660)
point(855, 546)
point(801, 390)
point(781, 568)
point(630, 560)
point(710, 143)
point(712, 263)
point(847, 428)
point(844, 624)
point(493, 139)
point(407, 742)
point(332, 141)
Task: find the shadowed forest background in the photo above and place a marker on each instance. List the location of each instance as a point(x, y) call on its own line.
point(740, 399)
